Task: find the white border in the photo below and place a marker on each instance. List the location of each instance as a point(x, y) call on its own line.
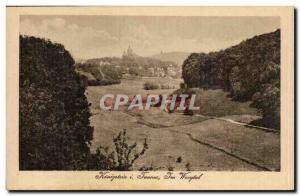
point(95, 2)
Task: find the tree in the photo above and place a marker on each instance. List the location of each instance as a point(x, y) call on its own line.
point(54, 114)
point(267, 100)
point(247, 69)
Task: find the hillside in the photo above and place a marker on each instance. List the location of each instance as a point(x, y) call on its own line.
point(177, 57)
point(249, 71)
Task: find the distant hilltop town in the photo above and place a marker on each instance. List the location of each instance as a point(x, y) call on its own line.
point(112, 69)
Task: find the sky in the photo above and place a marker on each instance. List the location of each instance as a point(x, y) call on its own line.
point(99, 36)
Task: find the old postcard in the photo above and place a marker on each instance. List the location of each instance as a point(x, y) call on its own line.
point(150, 98)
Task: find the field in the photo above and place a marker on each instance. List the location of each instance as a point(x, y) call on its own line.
point(212, 139)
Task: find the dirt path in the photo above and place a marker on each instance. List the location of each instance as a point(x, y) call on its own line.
point(248, 125)
point(209, 117)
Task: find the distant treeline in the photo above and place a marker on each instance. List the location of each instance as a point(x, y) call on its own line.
point(113, 68)
point(94, 75)
point(54, 126)
point(249, 71)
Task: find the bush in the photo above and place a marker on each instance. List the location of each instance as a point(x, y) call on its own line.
point(102, 82)
point(54, 112)
point(166, 86)
point(121, 159)
point(150, 86)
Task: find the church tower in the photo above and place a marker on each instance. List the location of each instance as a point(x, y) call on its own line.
point(129, 52)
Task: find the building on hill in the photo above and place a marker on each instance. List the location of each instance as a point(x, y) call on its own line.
point(129, 53)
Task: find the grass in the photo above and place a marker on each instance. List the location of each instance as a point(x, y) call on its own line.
point(218, 103)
point(166, 144)
point(253, 144)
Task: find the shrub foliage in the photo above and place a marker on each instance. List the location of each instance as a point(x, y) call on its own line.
point(150, 86)
point(121, 158)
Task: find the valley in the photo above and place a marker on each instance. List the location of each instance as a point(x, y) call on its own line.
point(203, 141)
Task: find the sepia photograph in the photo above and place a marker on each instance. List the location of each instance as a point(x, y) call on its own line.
point(178, 94)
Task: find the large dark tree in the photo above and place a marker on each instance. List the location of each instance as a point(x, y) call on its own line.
point(54, 114)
